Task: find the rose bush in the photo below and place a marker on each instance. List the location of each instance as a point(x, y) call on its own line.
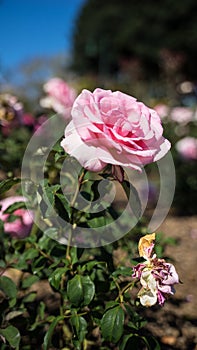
point(21, 226)
point(93, 305)
point(113, 128)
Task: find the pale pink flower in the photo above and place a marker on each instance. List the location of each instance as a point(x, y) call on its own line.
point(157, 277)
point(21, 226)
point(60, 96)
point(162, 110)
point(187, 148)
point(113, 128)
point(182, 115)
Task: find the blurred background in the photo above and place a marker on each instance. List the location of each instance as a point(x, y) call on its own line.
point(148, 48)
point(144, 48)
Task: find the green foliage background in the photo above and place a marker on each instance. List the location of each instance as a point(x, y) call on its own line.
point(108, 31)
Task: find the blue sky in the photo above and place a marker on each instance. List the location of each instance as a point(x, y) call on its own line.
point(32, 28)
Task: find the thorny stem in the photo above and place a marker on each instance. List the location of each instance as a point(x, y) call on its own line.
point(121, 292)
point(44, 254)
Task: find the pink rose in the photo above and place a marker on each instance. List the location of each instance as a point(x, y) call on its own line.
point(162, 110)
point(20, 227)
point(182, 115)
point(113, 128)
point(60, 96)
point(187, 147)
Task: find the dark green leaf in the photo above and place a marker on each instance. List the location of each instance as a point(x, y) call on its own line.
point(15, 206)
point(8, 287)
point(47, 194)
point(28, 281)
point(151, 342)
point(94, 263)
point(79, 326)
point(12, 335)
point(51, 232)
point(132, 196)
point(75, 254)
point(60, 201)
point(13, 314)
point(80, 290)
point(56, 276)
point(49, 334)
point(57, 148)
point(30, 254)
point(29, 298)
point(5, 185)
point(38, 264)
point(131, 341)
point(112, 324)
point(123, 270)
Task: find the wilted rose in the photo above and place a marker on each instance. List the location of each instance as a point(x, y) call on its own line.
point(113, 128)
point(157, 277)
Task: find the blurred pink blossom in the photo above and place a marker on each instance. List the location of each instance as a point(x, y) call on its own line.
point(182, 114)
point(60, 96)
point(187, 148)
point(28, 119)
point(162, 110)
point(21, 226)
point(39, 121)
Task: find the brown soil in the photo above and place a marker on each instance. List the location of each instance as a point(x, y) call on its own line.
point(175, 325)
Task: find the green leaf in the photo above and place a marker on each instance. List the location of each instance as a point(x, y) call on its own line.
point(18, 205)
point(38, 264)
point(8, 287)
point(28, 281)
point(89, 266)
point(13, 314)
point(79, 326)
point(151, 342)
point(75, 254)
point(132, 196)
point(56, 276)
point(5, 185)
point(61, 201)
point(131, 341)
point(80, 290)
point(57, 148)
point(112, 324)
point(12, 335)
point(29, 298)
point(49, 334)
point(123, 270)
point(30, 254)
point(47, 194)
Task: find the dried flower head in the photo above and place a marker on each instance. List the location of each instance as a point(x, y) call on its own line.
point(157, 277)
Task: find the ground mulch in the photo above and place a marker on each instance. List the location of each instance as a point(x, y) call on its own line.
point(175, 325)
